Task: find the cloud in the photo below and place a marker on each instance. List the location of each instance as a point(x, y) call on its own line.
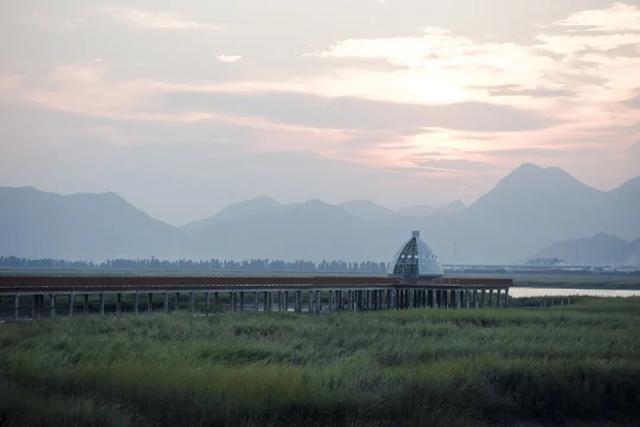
point(356, 113)
point(634, 102)
point(519, 90)
point(379, 97)
point(157, 21)
point(229, 58)
point(619, 17)
point(591, 55)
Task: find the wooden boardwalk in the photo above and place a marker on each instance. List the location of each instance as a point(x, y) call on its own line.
point(33, 297)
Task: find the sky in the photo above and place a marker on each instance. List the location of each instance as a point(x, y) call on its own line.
point(185, 107)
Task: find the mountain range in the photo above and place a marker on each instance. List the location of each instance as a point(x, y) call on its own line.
point(529, 209)
point(600, 249)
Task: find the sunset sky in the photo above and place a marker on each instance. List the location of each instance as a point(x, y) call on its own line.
point(185, 107)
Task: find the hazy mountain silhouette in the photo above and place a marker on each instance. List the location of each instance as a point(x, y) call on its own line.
point(236, 212)
point(366, 209)
point(600, 249)
point(423, 211)
point(312, 230)
point(529, 209)
point(80, 226)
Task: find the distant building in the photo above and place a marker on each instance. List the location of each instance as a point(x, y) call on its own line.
point(546, 262)
point(415, 260)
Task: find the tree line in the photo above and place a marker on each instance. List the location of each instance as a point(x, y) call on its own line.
point(252, 265)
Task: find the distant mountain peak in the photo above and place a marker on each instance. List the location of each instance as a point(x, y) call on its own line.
point(314, 204)
point(529, 170)
point(249, 208)
point(527, 167)
point(365, 209)
point(539, 180)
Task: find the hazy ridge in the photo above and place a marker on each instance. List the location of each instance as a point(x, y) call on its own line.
point(529, 209)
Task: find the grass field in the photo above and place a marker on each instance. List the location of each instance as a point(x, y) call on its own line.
point(413, 367)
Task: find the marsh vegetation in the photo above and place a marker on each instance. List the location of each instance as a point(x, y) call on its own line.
point(406, 367)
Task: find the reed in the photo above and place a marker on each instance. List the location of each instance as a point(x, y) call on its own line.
point(406, 367)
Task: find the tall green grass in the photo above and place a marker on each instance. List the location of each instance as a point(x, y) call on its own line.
point(409, 367)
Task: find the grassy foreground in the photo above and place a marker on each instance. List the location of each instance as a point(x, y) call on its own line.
point(414, 367)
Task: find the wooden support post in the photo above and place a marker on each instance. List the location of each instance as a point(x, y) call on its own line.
point(118, 303)
point(215, 301)
point(207, 302)
point(255, 302)
point(177, 305)
point(506, 298)
point(85, 304)
point(136, 302)
point(286, 301)
point(149, 302)
point(16, 307)
point(71, 301)
point(52, 303)
point(241, 301)
point(310, 307)
point(296, 304)
point(101, 296)
point(165, 298)
point(34, 306)
point(192, 302)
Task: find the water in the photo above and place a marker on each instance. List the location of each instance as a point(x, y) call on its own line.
point(564, 292)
